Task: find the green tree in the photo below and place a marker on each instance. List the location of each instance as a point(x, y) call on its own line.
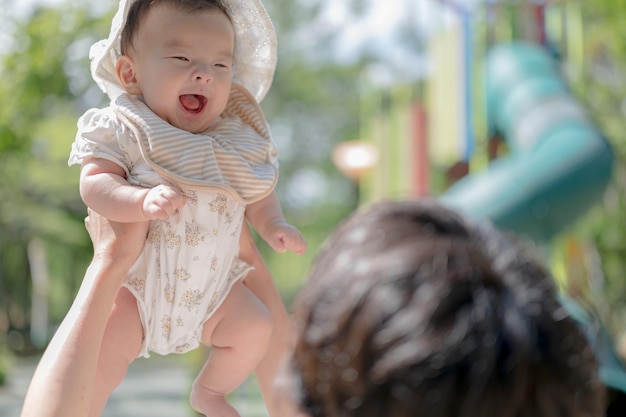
point(41, 91)
point(602, 86)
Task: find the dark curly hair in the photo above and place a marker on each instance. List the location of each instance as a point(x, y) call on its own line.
point(411, 310)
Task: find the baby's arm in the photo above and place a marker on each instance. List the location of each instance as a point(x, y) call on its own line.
point(266, 216)
point(103, 187)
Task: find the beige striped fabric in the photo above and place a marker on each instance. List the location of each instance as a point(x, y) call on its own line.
point(236, 154)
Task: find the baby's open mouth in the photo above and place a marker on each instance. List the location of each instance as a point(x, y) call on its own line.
point(193, 103)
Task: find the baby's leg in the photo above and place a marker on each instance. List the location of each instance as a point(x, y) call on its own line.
point(121, 344)
point(239, 333)
point(262, 285)
point(260, 282)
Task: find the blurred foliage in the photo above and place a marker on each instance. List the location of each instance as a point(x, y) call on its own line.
point(40, 199)
point(601, 85)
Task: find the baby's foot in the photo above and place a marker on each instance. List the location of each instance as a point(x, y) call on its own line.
point(211, 404)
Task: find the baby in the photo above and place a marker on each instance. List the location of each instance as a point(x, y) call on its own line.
point(185, 145)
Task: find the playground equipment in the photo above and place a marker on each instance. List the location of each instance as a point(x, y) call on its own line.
point(557, 167)
point(559, 163)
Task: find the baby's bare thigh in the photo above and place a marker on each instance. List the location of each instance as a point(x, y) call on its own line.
point(241, 314)
point(124, 333)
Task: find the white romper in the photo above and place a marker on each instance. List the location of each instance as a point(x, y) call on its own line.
point(189, 262)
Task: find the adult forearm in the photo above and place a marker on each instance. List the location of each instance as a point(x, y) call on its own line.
point(62, 384)
point(63, 381)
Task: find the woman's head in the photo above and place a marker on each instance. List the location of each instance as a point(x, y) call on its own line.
point(410, 309)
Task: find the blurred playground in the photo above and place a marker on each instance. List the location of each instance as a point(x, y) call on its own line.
point(500, 129)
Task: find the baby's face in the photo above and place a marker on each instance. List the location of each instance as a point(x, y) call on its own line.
point(183, 65)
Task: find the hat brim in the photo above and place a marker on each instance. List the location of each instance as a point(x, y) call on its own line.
point(255, 49)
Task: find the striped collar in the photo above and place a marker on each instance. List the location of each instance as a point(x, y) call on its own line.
point(236, 155)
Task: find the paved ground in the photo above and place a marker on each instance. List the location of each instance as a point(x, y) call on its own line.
point(155, 387)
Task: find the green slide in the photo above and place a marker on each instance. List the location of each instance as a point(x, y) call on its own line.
point(558, 165)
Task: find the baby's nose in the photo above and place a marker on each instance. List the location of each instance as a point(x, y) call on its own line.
point(203, 73)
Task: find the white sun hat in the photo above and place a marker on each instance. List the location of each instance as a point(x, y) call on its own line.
point(255, 49)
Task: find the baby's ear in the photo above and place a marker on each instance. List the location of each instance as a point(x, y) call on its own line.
point(125, 68)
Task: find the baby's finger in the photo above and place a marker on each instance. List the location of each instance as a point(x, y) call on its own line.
point(278, 244)
point(296, 245)
point(292, 240)
point(180, 201)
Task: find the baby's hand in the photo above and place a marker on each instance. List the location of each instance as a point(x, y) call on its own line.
point(282, 236)
point(162, 201)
